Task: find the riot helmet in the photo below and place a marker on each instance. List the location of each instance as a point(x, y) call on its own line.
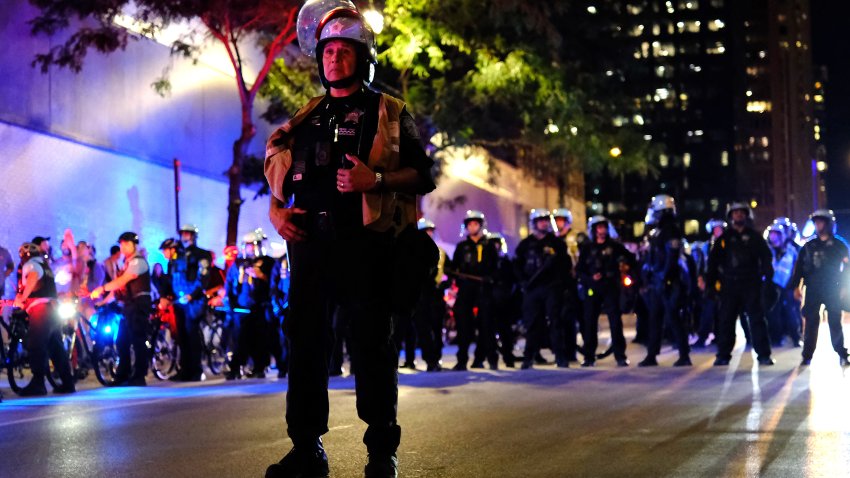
point(320, 21)
point(597, 220)
point(563, 220)
point(253, 243)
point(470, 216)
point(823, 214)
point(539, 215)
point(424, 224)
point(739, 206)
point(499, 243)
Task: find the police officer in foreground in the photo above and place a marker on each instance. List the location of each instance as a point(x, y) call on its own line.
point(343, 172)
point(543, 265)
point(668, 281)
point(472, 264)
point(134, 290)
point(37, 296)
point(740, 268)
point(598, 271)
point(824, 268)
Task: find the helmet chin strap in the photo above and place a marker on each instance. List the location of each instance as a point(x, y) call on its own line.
point(343, 83)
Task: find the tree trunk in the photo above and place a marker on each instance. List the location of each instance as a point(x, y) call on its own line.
point(240, 151)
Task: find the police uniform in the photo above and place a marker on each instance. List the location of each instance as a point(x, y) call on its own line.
point(784, 317)
point(543, 265)
point(188, 278)
point(347, 258)
point(669, 287)
point(251, 294)
point(504, 299)
point(277, 315)
point(742, 264)
point(475, 260)
point(133, 330)
point(823, 266)
point(602, 295)
point(44, 337)
point(430, 314)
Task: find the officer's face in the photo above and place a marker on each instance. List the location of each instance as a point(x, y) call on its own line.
point(541, 225)
point(128, 248)
point(821, 225)
point(563, 225)
point(187, 238)
point(339, 60)
point(717, 232)
point(44, 246)
point(601, 231)
point(473, 228)
point(775, 239)
point(739, 216)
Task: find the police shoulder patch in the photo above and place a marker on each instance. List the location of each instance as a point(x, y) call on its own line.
point(409, 126)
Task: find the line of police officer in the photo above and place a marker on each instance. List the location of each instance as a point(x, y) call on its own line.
point(678, 288)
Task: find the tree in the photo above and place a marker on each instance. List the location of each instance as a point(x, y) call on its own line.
point(268, 23)
point(502, 74)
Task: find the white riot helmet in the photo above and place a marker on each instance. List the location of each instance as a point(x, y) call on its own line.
point(320, 21)
point(538, 214)
point(564, 213)
point(714, 223)
point(739, 206)
point(777, 228)
point(473, 215)
point(499, 242)
point(788, 227)
point(593, 221)
point(827, 214)
point(256, 238)
point(423, 224)
point(662, 202)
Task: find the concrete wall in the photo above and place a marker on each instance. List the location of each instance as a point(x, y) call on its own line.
point(93, 151)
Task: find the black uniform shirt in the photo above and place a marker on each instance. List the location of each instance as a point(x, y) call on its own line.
point(474, 258)
point(545, 259)
point(822, 263)
point(603, 259)
point(740, 256)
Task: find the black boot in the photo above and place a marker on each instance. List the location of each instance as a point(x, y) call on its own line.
point(382, 466)
point(305, 460)
point(35, 388)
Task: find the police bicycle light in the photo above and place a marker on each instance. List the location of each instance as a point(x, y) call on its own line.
point(67, 310)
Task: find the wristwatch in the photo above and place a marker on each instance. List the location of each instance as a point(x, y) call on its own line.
point(379, 181)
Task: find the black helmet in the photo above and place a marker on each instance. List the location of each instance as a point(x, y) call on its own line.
point(28, 250)
point(169, 243)
point(129, 237)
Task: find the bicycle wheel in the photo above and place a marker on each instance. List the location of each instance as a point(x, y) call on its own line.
point(165, 354)
point(218, 358)
point(17, 363)
point(105, 358)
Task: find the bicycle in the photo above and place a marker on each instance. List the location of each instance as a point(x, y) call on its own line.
point(15, 356)
point(165, 354)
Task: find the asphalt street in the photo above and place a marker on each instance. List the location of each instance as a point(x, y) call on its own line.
point(735, 421)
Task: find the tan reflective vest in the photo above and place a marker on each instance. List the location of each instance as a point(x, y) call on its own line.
point(383, 209)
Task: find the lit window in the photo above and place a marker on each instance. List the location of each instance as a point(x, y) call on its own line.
point(663, 49)
point(716, 49)
point(662, 93)
point(636, 31)
point(821, 165)
point(724, 161)
point(656, 29)
point(762, 54)
point(686, 160)
point(691, 227)
point(663, 160)
point(647, 137)
point(634, 9)
point(592, 10)
point(716, 25)
point(749, 93)
point(758, 106)
point(765, 142)
point(639, 228)
point(638, 119)
point(818, 98)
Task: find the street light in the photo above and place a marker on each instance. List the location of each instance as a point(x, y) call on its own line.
point(375, 19)
point(615, 152)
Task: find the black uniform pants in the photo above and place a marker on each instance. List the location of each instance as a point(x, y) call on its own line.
point(570, 317)
point(607, 300)
point(277, 344)
point(503, 310)
point(190, 337)
point(428, 319)
point(133, 332)
point(665, 312)
point(405, 335)
point(738, 298)
point(816, 296)
point(44, 338)
point(354, 273)
point(469, 297)
point(542, 304)
point(708, 312)
point(253, 340)
point(784, 319)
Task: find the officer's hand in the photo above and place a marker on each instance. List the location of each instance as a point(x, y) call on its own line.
point(97, 292)
point(19, 302)
point(282, 220)
point(357, 179)
point(798, 294)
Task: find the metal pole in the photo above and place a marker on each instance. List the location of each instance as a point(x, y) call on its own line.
point(177, 193)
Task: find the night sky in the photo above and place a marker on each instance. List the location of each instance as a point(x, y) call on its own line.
point(831, 48)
